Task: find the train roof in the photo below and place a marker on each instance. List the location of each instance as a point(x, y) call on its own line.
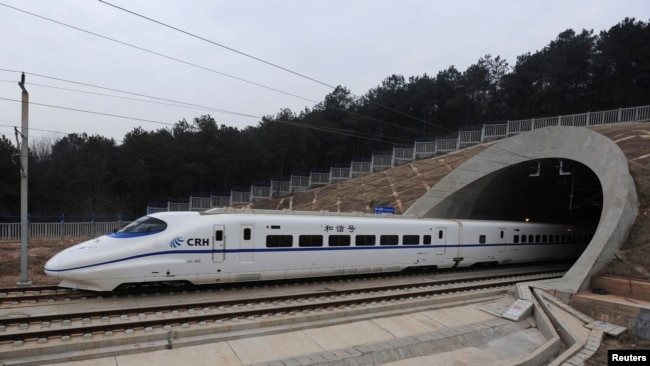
point(230, 210)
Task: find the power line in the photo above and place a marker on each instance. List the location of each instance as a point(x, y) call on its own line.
point(173, 103)
point(354, 134)
point(208, 69)
point(91, 112)
point(179, 102)
point(268, 63)
point(220, 45)
point(43, 130)
point(349, 133)
point(315, 127)
point(160, 54)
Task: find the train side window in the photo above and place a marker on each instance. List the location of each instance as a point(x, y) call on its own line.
point(426, 239)
point(523, 238)
point(218, 235)
point(537, 238)
point(563, 238)
point(338, 241)
point(516, 239)
point(550, 238)
point(388, 240)
point(310, 241)
point(279, 241)
point(502, 234)
point(557, 238)
point(544, 238)
point(481, 239)
point(411, 239)
point(531, 238)
point(364, 240)
point(247, 234)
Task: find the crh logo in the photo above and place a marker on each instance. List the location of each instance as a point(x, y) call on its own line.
point(192, 242)
point(198, 242)
point(176, 242)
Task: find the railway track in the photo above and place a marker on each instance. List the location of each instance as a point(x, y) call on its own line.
point(13, 296)
point(41, 330)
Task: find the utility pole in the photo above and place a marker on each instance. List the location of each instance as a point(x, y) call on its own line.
point(24, 151)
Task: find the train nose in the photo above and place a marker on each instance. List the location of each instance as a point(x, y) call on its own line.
point(53, 266)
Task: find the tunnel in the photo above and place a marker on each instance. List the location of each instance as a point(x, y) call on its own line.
point(553, 174)
point(545, 190)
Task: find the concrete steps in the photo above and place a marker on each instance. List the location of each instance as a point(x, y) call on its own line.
point(620, 286)
point(620, 301)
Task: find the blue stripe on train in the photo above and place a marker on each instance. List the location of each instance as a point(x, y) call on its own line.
point(302, 249)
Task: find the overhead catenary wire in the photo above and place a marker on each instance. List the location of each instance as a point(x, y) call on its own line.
point(175, 102)
point(221, 45)
point(315, 127)
point(171, 102)
point(160, 54)
point(354, 134)
point(325, 129)
point(267, 62)
point(191, 64)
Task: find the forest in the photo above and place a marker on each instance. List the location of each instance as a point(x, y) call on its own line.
point(82, 174)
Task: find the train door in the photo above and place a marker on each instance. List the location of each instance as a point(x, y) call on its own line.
point(440, 240)
point(218, 243)
point(501, 240)
point(246, 242)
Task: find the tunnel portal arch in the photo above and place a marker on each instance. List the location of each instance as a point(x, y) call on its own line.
point(459, 194)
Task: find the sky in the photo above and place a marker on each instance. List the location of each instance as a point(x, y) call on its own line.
point(94, 68)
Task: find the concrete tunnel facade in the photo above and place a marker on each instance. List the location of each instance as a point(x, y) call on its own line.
point(457, 194)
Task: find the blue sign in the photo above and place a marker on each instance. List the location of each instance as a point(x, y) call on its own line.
point(384, 210)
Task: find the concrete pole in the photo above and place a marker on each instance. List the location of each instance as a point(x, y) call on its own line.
point(24, 151)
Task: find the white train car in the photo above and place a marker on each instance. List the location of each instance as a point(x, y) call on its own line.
point(224, 245)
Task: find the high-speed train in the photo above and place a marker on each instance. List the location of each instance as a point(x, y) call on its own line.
point(226, 245)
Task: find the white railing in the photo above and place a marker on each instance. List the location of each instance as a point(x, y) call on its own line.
point(10, 232)
point(421, 150)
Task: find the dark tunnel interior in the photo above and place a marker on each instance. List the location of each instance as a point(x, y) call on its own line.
point(546, 190)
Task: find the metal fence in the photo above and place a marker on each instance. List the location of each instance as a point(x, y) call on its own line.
point(420, 150)
point(10, 232)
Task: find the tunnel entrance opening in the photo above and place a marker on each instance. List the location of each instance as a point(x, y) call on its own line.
point(547, 191)
point(497, 184)
point(543, 190)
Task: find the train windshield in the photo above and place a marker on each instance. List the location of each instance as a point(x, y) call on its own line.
point(145, 225)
